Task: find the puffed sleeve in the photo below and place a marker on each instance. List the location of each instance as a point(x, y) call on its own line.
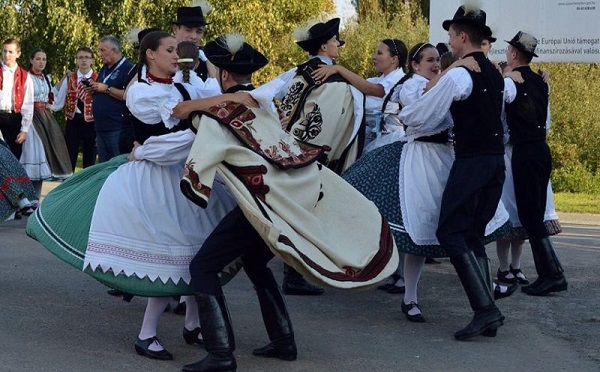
point(167, 149)
point(143, 101)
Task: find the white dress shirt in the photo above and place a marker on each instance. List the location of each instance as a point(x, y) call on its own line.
point(6, 96)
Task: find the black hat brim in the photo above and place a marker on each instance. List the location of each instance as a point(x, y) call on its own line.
point(221, 58)
point(330, 30)
point(447, 23)
point(190, 24)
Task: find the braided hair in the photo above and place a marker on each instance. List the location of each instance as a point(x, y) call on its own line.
point(188, 58)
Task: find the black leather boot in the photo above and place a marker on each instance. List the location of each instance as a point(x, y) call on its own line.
point(295, 284)
point(487, 316)
point(538, 265)
point(278, 325)
point(217, 335)
point(550, 272)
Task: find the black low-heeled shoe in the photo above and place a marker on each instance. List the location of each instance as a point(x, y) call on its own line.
point(522, 279)
point(27, 211)
point(502, 277)
point(391, 280)
point(417, 318)
point(142, 348)
point(191, 337)
point(510, 289)
point(394, 289)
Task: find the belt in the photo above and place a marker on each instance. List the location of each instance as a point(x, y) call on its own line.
point(39, 105)
point(7, 112)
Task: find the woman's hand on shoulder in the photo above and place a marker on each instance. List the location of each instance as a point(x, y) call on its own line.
point(515, 76)
point(468, 62)
point(242, 98)
point(323, 72)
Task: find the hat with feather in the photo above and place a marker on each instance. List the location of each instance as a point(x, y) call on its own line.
point(231, 53)
point(469, 13)
point(524, 42)
point(312, 37)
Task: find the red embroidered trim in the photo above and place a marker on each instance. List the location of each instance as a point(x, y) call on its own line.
point(189, 173)
point(353, 274)
point(252, 177)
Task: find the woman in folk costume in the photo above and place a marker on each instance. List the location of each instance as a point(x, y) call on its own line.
point(289, 206)
point(16, 190)
point(45, 152)
point(389, 60)
point(142, 232)
point(406, 179)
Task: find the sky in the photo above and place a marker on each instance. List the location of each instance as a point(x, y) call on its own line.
point(344, 10)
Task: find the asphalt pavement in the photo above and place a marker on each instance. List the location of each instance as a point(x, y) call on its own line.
point(55, 318)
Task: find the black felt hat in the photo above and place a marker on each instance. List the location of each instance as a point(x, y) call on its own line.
point(319, 33)
point(231, 53)
point(471, 16)
point(524, 42)
point(190, 16)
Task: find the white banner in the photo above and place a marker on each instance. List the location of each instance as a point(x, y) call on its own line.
point(567, 31)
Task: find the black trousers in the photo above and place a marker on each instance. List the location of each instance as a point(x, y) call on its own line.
point(126, 137)
point(78, 131)
point(469, 202)
point(10, 126)
point(531, 166)
point(233, 237)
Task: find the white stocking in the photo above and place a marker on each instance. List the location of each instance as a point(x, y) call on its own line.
point(516, 251)
point(192, 319)
point(413, 266)
point(502, 247)
point(154, 309)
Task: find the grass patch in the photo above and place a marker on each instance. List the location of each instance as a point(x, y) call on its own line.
point(577, 202)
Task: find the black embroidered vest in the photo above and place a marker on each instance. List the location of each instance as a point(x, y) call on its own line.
point(477, 125)
point(526, 115)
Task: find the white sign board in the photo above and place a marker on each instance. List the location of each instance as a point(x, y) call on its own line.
point(567, 31)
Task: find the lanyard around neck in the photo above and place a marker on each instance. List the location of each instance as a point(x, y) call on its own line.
point(113, 70)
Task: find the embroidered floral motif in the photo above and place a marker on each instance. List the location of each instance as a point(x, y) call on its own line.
point(310, 127)
point(352, 272)
point(289, 102)
point(253, 178)
point(286, 153)
point(190, 174)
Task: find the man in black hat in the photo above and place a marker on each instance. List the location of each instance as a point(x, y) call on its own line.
point(474, 185)
point(326, 112)
point(190, 26)
point(235, 237)
point(527, 114)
